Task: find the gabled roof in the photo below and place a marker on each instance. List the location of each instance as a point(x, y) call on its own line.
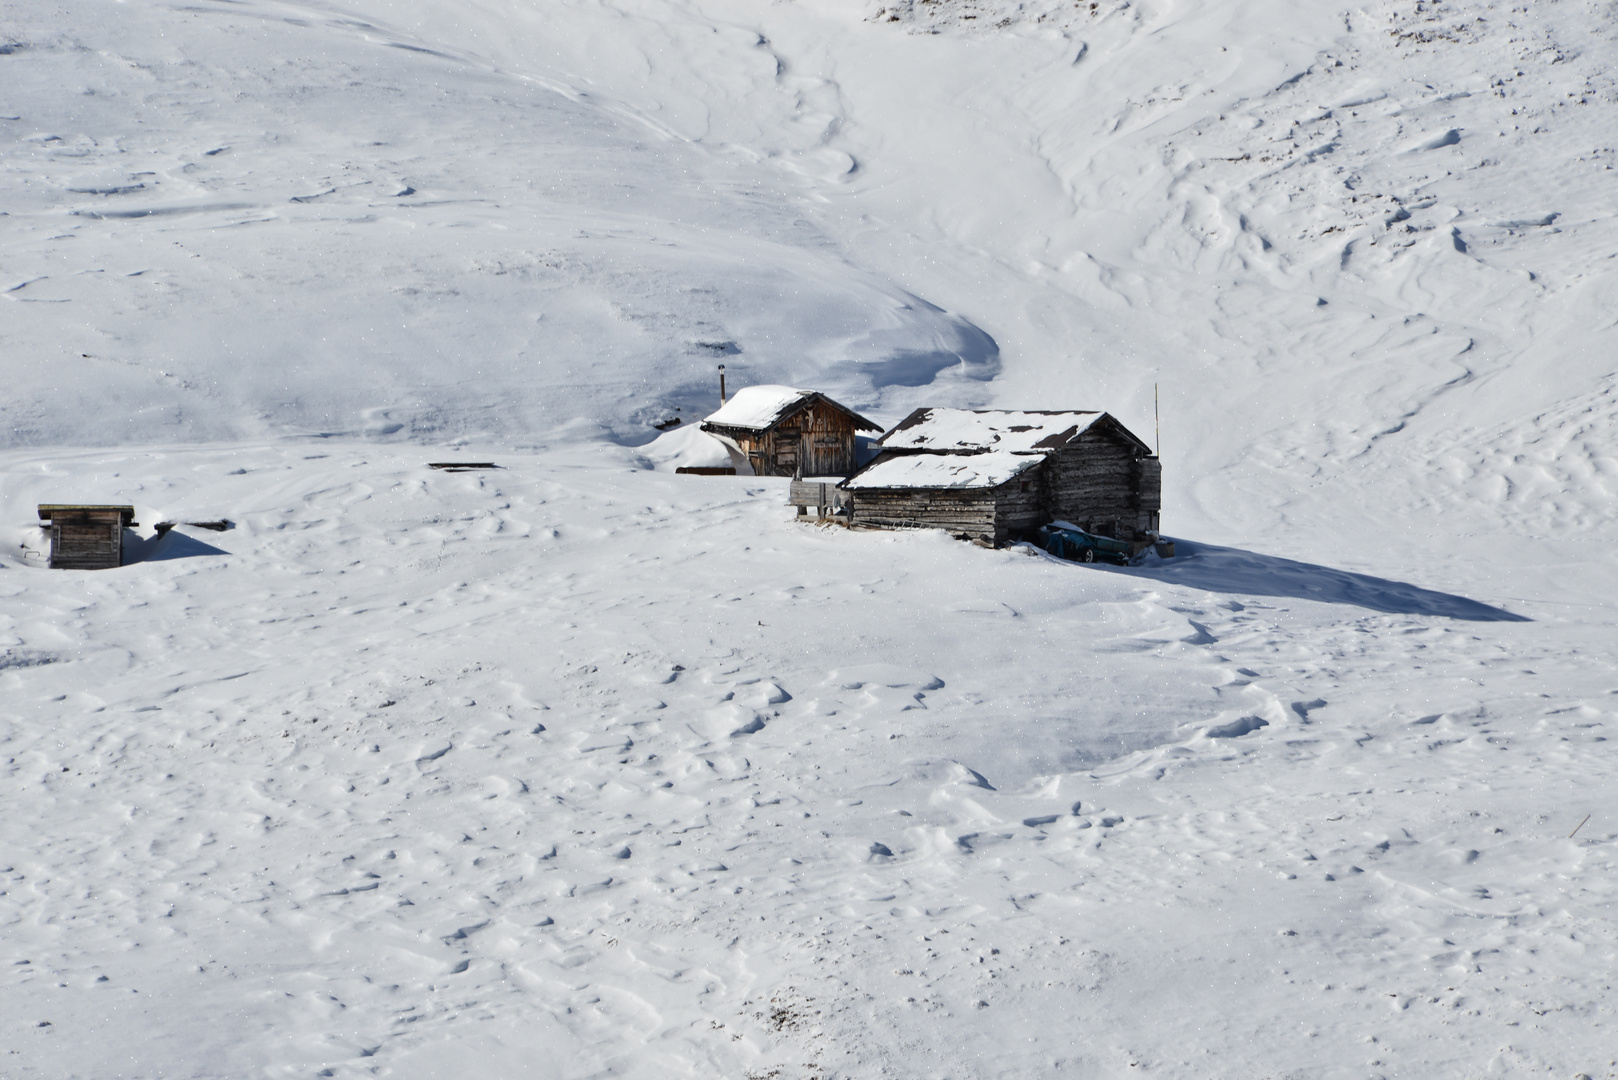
point(961, 431)
point(759, 408)
point(987, 469)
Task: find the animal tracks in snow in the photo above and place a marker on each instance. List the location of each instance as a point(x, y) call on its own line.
point(545, 775)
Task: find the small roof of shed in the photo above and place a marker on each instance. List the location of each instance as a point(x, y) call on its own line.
point(759, 408)
point(980, 470)
point(49, 511)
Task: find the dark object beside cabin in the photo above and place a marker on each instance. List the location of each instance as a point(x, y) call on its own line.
point(992, 474)
point(1079, 546)
point(86, 537)
point(781, 431)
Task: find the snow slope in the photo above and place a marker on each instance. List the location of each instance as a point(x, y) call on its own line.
point(577, 768)
point(284, 218)
point(1312, 226)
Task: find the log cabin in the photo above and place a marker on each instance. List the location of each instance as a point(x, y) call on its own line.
point(86, 537)
point(990, 474)
point(781, 431)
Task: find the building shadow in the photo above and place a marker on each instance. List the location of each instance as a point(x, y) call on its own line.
point(1247, 573)
point(172, 544)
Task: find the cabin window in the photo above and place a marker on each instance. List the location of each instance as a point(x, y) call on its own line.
point(1025, 485)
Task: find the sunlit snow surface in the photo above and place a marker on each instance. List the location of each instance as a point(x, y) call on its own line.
point(301, 221)
point(579, 768)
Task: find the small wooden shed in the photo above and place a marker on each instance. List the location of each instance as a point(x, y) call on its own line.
point(986, 474)
point(86, 537)
point(783, 431)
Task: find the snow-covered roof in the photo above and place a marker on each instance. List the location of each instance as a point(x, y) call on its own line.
point(988, 429)
point(758, 407)
point(983, 470)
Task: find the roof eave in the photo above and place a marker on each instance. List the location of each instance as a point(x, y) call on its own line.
point(721, 429)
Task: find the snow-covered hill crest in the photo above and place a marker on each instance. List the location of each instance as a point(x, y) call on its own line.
point(283, 218)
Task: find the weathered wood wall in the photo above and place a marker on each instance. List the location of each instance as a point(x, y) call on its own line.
point(1151, 493)
point(989, 513)
point(819, 436)
point(1020, 503)
point(971, 512)
point(824, 494)
point(1100, 484)
point(828, 441)
point(87, 543)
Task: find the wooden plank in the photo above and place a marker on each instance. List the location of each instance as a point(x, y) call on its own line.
point(804, 493)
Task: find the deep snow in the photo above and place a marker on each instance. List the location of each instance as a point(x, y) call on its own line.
point(580, 768)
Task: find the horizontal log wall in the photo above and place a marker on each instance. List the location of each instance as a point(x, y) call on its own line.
point(1098, 483)
point(1017, 509)
point(988, 512)
point(970, 512)
point(86, 546)
point(1151, 492)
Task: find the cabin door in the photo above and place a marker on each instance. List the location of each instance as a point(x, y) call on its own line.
point(787, 458)
point(822, 455)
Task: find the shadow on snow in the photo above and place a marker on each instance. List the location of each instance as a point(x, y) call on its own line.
point(172, 545)
point(1247, 573)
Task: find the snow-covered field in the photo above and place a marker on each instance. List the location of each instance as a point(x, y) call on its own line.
point(578, 768)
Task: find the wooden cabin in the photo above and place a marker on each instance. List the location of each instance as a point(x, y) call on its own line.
point(780, 431)
point(86, 537)
point(988, 474)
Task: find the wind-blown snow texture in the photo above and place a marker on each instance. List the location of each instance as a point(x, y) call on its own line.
point(579, 768)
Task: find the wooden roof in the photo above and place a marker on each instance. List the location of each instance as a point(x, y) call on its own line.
point(49, 511)
point(968, 431)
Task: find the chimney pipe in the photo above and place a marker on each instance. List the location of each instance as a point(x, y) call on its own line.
point(721, 384)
